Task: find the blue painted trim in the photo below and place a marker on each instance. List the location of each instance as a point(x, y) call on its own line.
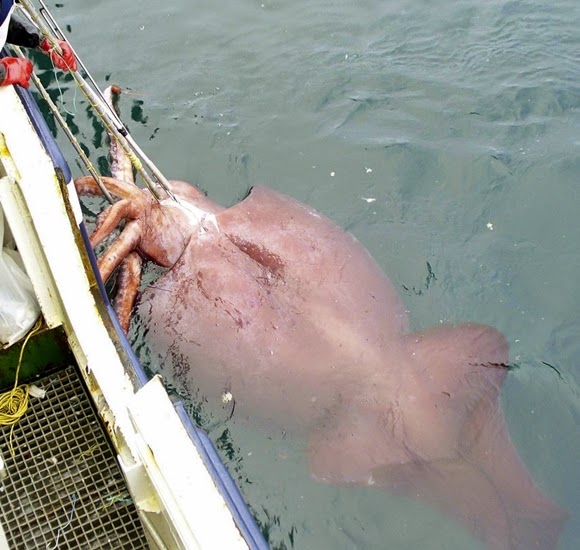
point(224, 482)
point(140, 374)
point(5, 7)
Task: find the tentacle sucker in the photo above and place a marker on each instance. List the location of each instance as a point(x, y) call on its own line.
point(128, 282)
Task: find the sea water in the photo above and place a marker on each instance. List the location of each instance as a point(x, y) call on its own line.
point(444, 135)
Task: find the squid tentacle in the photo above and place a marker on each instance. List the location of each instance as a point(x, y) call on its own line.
point(128, 281)
point(130, 209)
point(120, 249)
point(111, 217)
point(86, 185)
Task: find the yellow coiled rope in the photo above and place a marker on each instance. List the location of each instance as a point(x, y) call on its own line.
point(14, 403)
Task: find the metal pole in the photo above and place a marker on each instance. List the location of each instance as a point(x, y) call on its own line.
point(107, 115)
point(74, 142)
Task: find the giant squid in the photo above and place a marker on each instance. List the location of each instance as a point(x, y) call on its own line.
point(273, 301)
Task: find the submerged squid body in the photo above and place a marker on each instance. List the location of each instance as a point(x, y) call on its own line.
point(274, 303)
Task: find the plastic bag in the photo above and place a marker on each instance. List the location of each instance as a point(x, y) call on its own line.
point(19, 308)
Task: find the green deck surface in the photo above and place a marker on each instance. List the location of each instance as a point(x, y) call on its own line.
point(44, 353)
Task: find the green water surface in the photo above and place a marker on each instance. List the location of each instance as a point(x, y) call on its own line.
point(445, 135)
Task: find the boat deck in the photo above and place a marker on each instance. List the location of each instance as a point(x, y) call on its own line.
point(64, 488)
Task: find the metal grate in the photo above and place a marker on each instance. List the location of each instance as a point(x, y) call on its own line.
point(64, 487)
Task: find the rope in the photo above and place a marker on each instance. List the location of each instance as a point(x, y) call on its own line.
point(66, 525)
point(14, 403)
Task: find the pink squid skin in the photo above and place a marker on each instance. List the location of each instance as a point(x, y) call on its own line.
point(288, 312)
point(274, 284)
